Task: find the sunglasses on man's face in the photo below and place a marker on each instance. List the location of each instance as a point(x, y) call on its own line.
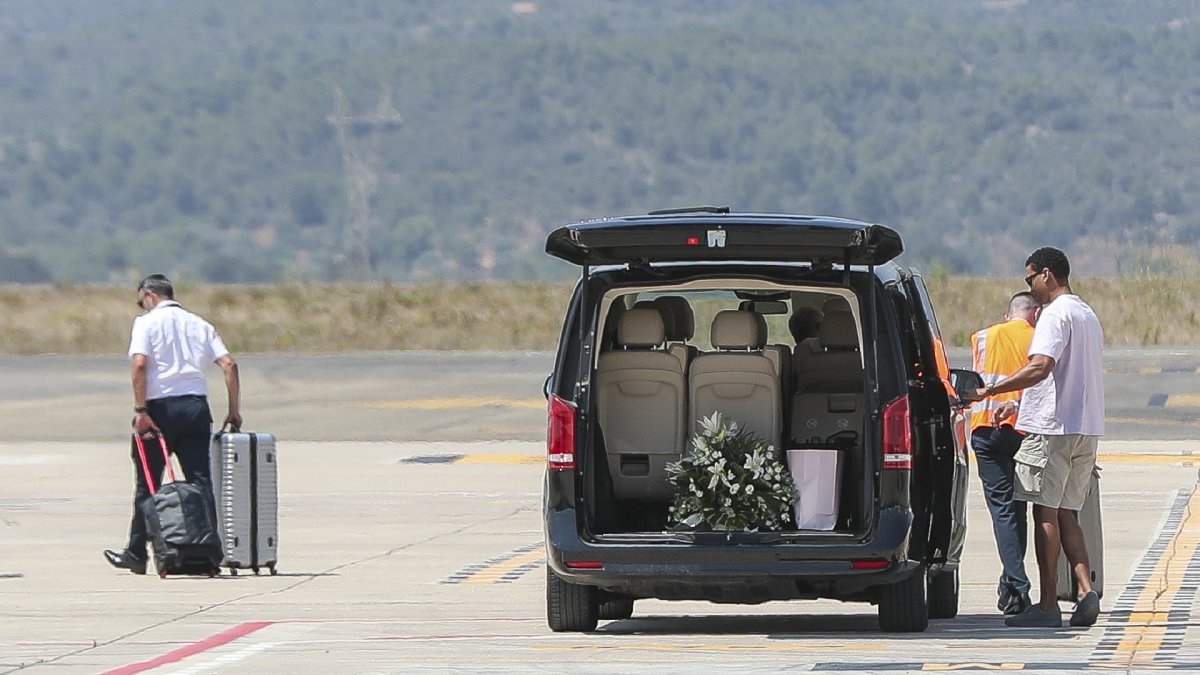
point(1029, 279)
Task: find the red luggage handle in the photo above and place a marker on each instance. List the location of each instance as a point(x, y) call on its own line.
point(141, 446)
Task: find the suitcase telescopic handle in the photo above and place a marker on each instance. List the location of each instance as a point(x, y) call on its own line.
point(141, 446)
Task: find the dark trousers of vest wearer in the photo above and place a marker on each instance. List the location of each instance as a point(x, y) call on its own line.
point(994, 451)
point(186, 424)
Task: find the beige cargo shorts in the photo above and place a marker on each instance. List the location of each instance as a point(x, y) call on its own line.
point(1055, 471)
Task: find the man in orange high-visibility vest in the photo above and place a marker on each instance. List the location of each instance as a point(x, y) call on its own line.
point(997, 352)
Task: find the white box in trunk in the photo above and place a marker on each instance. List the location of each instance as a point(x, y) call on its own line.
point(817, 473)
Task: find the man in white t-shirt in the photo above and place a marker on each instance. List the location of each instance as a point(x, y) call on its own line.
point(169, 348)
point(1062, 415)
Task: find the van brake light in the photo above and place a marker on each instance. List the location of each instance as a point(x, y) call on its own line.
point(897, 435)
point(560, 435)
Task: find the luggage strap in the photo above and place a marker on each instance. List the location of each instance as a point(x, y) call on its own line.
point(141, 446)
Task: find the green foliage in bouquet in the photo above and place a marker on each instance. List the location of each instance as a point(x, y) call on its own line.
point(731, 480)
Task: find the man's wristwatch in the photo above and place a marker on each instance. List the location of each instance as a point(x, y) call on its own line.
point(141, 410)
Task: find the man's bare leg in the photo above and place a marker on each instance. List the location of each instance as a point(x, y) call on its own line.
point(1047, 543)
point(1075, 547)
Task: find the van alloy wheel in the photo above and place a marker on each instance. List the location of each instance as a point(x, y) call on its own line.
point(570, 607)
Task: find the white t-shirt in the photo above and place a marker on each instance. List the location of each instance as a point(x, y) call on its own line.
point(179, 345)
point(1071, 399)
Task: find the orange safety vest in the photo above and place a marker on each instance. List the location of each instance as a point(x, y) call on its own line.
point(996, 353)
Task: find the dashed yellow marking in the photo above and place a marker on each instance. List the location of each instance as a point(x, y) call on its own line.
point(495, 573)
point(1151, 370)
point(973, 666)
point(1148, 623)
point(1182, 401)
point(504, 459)
point(467, 403)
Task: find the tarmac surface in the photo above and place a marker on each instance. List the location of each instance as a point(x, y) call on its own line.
point(411, 538)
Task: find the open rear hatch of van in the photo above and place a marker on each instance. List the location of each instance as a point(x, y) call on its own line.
point(714, 234)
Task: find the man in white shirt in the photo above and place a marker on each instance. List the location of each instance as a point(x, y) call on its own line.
point(1062, 415)
point(169, 349)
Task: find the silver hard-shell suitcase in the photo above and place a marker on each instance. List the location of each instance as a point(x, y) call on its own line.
point(246, 491)
point(1093, 536)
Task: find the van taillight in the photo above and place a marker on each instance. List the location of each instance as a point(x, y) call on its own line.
point(897, 435)
point(560, 435)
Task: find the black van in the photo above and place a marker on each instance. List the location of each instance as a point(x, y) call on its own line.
point(682, 312)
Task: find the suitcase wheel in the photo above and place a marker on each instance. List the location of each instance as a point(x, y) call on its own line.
point(233, 571)
point(256, 571)
point(273, 570)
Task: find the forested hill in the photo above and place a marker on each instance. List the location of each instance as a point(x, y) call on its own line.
point(378, 139)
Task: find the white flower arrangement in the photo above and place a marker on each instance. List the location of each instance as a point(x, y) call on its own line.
point(731, 480)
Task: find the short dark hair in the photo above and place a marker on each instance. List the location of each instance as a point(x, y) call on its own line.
point(158, 284)
point(1052, 259)
point(804, 323)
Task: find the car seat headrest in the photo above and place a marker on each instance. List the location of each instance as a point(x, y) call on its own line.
point(735, 329)
point(838, 331)
point(641, 328)
point(682, 325)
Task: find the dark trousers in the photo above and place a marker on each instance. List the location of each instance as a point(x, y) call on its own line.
point(186, 424)
point(994, 451)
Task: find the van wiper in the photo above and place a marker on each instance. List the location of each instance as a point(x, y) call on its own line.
point(690, 209)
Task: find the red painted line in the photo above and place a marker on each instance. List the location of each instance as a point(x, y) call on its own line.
point(237, 632)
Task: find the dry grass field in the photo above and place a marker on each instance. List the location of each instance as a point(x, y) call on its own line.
point(1135, 310)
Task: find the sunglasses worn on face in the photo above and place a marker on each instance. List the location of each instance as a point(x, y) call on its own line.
point(1029, 279)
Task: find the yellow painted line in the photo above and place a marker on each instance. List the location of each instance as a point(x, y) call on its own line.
point(1150, 370)
point(508, 459)
point(706, 648)
point(468, 403)
point(973, 666)
point(490, 575)
point(1183, 401)
point(1104, 459)
point(1135, 458)
point(1144, 634)
point(1152, 421)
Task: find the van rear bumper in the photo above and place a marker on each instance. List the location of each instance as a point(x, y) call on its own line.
point(728, 569)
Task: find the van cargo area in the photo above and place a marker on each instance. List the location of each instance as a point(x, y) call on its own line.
point(784, 362)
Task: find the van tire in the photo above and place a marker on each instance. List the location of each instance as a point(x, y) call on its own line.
point(902, 607)
point(570, 607)
point(943, 595)
point(614, 608)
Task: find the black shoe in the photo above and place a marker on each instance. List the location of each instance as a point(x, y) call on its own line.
point(1012, 605)
point(1087, 610)
point(125, 560)
point(1036, 617)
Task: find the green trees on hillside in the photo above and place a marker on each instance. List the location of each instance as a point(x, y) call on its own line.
point(197, 138)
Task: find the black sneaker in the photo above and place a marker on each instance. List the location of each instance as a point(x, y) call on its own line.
point(125, 560)
point(1014, 604)
point(1087, 610)
point(1036, 617)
